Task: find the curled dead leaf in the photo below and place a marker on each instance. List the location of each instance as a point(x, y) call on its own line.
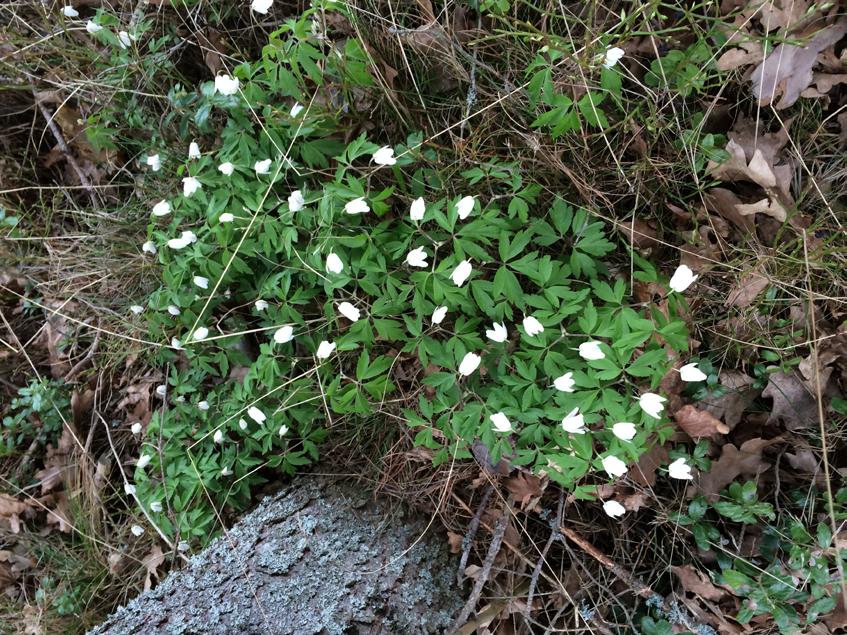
point(736, 396)
point(787, 71)
point(698, 423)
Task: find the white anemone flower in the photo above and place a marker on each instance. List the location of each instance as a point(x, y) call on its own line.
point(497, 332)
point(652, 404)
point(149, 248)
point(591, 351)
point(262, 167)
point(296, 109)
point(179, 243)
point(333, 263)
point(154, 162)
point(614, 509)
point(143, 461)
point(461, 273)
point(226, 84)
point(69, 12)
point(156, 506)
point(680, 469)
point(574, 422)
point(682, 278)
point(200, 334)
point(261, 6)
point(161, 390)
point(418, 209)
point(439, 314)
point(137, 309)
point(565, 383)
point(256, 415)
point(690, 372)
point(203, 405)
point(260, 305)
point(349, 311)
point(218, 437)
point(470, 362)
point(176, 344)
point(284, 334)
point(201, 282)
point(325, 349)
point(226, 471)
point(92, 27)
point(173, 309)
point(193, 150)
point(612, 56)
point(296, 202)
point(226, 168)
point(283, 430)
point(417, 258)
point(162, 208)
point(357, 206)
point(226, 217)
point(624, 431)
point(500, 422)
point(135, 428)
point(242, 424)
point(190, 185)
point(129, 489)
point(384, 156)
point(125, 39)
point(137, 530)
point(614, 466)
point(465, 206)
point(532, 326)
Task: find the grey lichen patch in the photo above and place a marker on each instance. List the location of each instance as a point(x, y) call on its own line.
point(316, 558)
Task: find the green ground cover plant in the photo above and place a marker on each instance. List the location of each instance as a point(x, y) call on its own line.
point(346, 227)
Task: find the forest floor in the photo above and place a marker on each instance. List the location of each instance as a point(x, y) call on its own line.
point(153, 388)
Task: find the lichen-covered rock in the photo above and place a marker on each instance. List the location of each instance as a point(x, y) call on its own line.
point(319, 557)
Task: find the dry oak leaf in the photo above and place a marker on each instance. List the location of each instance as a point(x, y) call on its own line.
point(788, 69)
point(739, 394)
point(698, 423)
point(792, 403)
point(152, 561)
point(725, 203)
point(644, 472)
point(526, 488)
point(694, 581)
point(746, 290)
point(732, 463)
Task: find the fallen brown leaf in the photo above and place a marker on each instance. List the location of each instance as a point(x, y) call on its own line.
point(746, 290)
point(696, 582)
point(698, 423)
point(731, 405)
point(152, 561)
point(788, 69)
point(734, 462)
point(526, 488)
point(644, 472)
point(455, 541)
point(792, 402)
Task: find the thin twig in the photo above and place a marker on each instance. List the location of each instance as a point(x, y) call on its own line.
point(482, 577)
point(78, 366)
point(66, 151)
point(472, 529)
point(538, 565)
